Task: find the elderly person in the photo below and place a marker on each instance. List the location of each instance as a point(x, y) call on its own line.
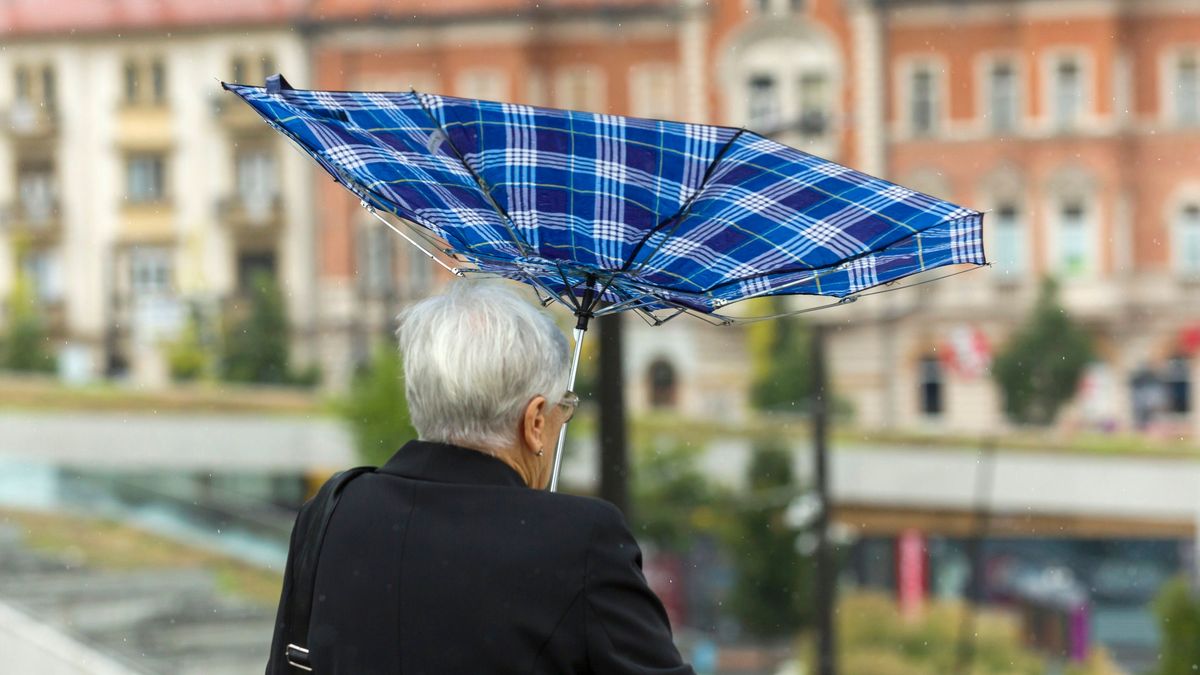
point(444, 561)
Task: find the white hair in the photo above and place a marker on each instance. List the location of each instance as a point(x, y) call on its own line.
point(474, 356)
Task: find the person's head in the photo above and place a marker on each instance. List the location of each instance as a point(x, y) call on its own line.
point(485, 369)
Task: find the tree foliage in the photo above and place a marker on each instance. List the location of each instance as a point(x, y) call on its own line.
point(25, 344)
point(773, 592)
point(255, 341)
point(376, 408)
point(1039, 368)
point(1178, 609)
point(781, 356)
point(673, 501)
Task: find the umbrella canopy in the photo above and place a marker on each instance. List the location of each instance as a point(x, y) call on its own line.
point(606, 213)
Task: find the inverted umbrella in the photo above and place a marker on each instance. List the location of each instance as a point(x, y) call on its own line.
point(606, 213)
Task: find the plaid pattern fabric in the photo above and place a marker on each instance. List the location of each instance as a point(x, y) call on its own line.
point(662, 214)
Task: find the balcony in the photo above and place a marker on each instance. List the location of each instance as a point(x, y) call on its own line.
point(31, 122)
point(252, 218)
point(40, 220)
point(235, 116)
point(144, 127)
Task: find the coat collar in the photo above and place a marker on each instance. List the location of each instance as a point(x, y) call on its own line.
point(446, 463)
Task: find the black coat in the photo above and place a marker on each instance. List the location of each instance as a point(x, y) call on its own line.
point(444, 563)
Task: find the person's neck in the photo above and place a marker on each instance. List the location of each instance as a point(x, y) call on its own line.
point(509, 457)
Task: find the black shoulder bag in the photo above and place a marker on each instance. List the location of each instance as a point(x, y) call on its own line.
point(309, 541)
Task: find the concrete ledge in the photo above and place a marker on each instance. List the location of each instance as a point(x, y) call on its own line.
point(30, 646)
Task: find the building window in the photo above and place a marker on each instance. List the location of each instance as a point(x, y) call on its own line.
point(158, 80)
point(485, 83)
point(36, 193)
point(34, 86)
point(1187, 230)
point(814, 104)
point(764, 102)
point(255, 173)
point(145, 81)
point(43, 268)
point(1178, 385)
point(662, 384)
point(239, 70)
point(1187, 90)
point(49, 93)
point(419, 275)
point(131, 82)
point(579, 88)
point(145, 180)
point(652, 91)
point(1068, 93)
point(150, 271)
point(1002, 97)
point(1073, 236)
point(252, 264)
point(375, 272)
point(931, 383)
point(21, 84)
point(1008, 245)
point(923, 101)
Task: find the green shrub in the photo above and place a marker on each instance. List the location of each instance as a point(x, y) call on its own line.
point(187, 358)
point(1178, 610)
point(376, 409)
point(25, 346)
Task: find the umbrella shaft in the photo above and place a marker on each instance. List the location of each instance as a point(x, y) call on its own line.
point(562, 434)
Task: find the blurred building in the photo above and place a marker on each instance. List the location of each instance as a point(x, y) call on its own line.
point(133, 189)
point(1075, 123)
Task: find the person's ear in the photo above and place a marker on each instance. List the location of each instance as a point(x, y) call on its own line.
point(533, 424)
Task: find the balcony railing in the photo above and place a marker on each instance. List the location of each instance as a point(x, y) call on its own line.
point(40, 219)
point(28, 120)
point(250, 215)
point(234, 115)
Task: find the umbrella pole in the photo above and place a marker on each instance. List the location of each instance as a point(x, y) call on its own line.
point(580, 331)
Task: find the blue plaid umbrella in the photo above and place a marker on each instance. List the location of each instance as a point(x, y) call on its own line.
point(605, 213)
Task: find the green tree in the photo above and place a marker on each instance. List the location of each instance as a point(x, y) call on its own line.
point(781, 356)
point(376, 408)
point(256, 336)
point(1039, 368)
point(772, 594)
point(25, 345)
point(673, 500)
point(1178, 610)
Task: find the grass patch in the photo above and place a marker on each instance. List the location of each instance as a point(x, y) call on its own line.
point(42, 393)
point(107, 545)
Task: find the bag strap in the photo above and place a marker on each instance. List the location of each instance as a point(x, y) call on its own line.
point(310, 541)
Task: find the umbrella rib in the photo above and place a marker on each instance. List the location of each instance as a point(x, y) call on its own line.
point(479, 182)
point(685, 208)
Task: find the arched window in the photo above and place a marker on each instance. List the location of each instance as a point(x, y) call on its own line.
point(1178, 385)
point(663, 384)
point(1074, 236)
point(931, 383)
point(1008, 243)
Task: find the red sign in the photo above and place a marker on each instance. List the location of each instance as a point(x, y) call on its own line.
point(912, 564)
point(967, 352)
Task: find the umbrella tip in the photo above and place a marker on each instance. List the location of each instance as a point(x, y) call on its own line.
point(277, 83)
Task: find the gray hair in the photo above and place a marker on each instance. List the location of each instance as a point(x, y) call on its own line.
point(473, 358)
